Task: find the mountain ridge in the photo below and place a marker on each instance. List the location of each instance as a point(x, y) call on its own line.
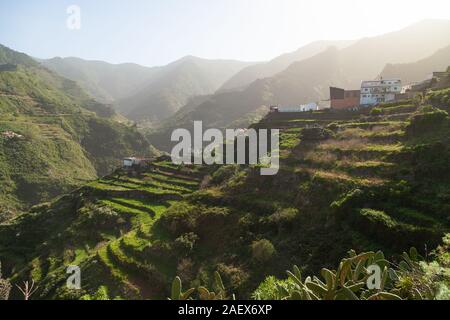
point(53, 136)
point(300, 83)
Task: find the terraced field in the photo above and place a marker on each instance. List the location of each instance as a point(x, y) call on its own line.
point(108, 229)
point(141, 200)
point(369, 151)
point(375, 179)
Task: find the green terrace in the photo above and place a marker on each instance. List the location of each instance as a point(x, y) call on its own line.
point(124, 257)
point(120, 251)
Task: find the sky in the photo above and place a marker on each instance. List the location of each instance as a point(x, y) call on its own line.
point(156, 32)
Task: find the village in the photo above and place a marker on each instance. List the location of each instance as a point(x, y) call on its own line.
point(371, 93)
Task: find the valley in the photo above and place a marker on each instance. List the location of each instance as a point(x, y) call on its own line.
point(88, 181)
point(58, 135)
point(352, 180)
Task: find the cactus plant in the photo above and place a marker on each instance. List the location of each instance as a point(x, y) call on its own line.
point(221, 294)
point(177, 290)
point(348, 282)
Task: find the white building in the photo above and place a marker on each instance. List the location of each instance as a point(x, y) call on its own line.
point(301, 108)
point(379, 91)
point(129, 162)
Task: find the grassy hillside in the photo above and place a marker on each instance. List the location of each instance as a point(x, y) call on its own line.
point(370, 180)
point(53, 136)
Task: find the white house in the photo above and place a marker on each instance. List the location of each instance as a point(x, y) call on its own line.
point(129, 162)
point(301, 108)
point(379, 91)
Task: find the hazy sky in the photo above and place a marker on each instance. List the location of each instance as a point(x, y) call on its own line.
point(155, 32)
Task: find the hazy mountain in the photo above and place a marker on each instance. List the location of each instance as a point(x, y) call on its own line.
point(366, 58)
point(52, 138)
point(416, 71)
point(104, 81)
point(222, 109)
point(147, 93)
point(268, 69)
point(175, 83)
point(309, 80)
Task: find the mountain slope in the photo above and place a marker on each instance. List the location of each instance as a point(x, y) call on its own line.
point(104, 81)
point(354, 181)
point(53, 136)
point(176, 84)
point(269, 69)
point(308, 80)
point(366, 58)
point(146, 93)
point(417, 71)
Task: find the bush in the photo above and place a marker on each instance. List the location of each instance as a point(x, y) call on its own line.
point(262, 250)
point(425, 122)
point(5, 286)
point(224, 173)
point(283, 218)
point(233, 277)
point(440, 98)
point(269, 289)
point(312, 134)
point(376, 112)
point(185, 243)
point(185, 269)
point(333, 127)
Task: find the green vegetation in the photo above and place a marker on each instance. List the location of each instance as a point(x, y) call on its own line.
point(111, 234)
point(53, 137)
point(360, 181)
point(365, 276)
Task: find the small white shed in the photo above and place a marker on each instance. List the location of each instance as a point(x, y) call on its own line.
point(129, 162)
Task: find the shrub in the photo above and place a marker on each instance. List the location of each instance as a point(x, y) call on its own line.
point(376, 112)
point(440, 97)
point(283, 218)
point(425, 122)
point(185, 243)
point(313, 134)
point(262, 250)
point(269, 289)
point(101, 294)
point(223, 173)
point(378, 217)
point(5, 287)
point(411, 278)
point(185, 269)
point(233, 277)
point(333, 127)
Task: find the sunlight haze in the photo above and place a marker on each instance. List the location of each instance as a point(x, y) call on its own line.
point(158, 32)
